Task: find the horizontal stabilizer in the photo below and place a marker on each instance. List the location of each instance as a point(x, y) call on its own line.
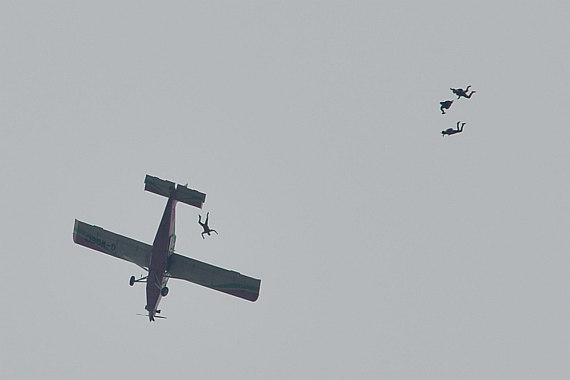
point(189, 196)
point(181, 193)
point(158, 186)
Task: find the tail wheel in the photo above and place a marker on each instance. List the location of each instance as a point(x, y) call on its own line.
point(132, 281)
point(164, 291)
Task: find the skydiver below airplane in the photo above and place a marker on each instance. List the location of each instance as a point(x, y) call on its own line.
point(445, 105)
point(461, 92)
point(159, 259)
point(451, 131)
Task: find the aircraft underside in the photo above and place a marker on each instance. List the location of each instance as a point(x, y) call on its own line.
point(159, 258)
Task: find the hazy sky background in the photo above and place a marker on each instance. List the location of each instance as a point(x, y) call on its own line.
point(386, 251)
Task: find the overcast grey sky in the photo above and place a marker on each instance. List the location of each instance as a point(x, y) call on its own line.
point(386, 251)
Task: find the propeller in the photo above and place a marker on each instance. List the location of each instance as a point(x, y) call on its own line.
point(155, 316)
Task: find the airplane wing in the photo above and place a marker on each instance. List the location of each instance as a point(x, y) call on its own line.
point(112, 244)
point(212, 277)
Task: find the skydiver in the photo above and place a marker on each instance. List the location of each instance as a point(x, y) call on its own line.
point(204, 225)
point(446, 105)
point(451, 131)
point(460, 92)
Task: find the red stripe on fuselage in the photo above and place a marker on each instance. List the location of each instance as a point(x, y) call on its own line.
point(159, 258)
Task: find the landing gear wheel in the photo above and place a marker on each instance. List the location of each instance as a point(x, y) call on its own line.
point(164, 291)
point(132, 281)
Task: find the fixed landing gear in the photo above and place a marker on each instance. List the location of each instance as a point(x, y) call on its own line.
point(133, 280)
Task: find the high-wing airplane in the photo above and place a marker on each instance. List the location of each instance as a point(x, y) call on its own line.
point(159, 259)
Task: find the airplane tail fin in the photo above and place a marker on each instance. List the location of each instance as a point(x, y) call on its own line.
point(181, 193)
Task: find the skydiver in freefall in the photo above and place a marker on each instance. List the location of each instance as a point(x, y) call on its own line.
point(205, 226)
point(446, 105)
point(460, 92)
point(451, 131)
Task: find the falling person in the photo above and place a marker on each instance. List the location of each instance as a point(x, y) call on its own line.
point(461, 92)
point(207, 229)
point(451, 131)
point(446, 104)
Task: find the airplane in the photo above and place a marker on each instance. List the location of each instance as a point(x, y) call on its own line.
point(159, 259)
